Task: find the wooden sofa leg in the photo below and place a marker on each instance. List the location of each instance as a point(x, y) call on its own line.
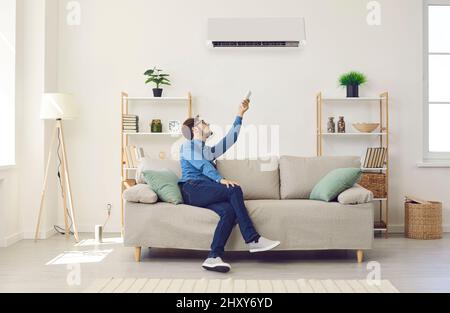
point(137, 254)
point(360, 256)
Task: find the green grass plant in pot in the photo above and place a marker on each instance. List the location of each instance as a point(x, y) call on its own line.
point(352, 81)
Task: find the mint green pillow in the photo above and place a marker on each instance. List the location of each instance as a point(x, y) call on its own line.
point(165, 184)
point(336, 182)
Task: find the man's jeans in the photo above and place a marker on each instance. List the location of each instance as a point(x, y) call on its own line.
point(228, 203)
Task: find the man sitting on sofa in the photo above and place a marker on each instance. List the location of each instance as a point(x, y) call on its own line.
point(203, 186)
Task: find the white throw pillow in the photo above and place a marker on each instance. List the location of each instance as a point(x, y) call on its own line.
point(140, 193)
point(356, 195)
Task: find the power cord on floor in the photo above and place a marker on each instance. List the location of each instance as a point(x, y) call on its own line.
point(108, 217)
point(60, 230)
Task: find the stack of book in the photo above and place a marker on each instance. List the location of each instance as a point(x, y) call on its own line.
point(130, 123)
point(375, 158)
point(132, 156)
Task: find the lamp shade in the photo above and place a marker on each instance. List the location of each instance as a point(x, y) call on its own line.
point(58, 106)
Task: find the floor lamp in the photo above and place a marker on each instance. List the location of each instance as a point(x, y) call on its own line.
point(59, 107)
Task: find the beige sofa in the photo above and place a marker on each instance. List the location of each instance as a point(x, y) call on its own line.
point(276, 197)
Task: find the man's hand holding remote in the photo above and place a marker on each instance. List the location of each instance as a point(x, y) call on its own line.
point(245, 106)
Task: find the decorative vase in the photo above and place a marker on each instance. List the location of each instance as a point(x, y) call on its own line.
point(341, 125)
point(156, 126)
point(352, 91)
point(331, 125)
point(157, 92)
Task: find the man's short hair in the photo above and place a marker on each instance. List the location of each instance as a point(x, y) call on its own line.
point(187, 130)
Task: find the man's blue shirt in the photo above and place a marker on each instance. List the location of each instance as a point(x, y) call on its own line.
point(197, 159)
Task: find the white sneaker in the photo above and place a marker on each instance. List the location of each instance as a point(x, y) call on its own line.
point(216, 265)
point(263, 244)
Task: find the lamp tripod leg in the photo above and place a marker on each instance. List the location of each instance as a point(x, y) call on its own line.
point(63, 187)
point(67, 182)
point(44, 188)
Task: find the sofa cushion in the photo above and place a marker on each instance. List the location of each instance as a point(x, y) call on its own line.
point(258, 179)
point(313, 225)
point(299, 175)
point(149, 164)
point(298, 224)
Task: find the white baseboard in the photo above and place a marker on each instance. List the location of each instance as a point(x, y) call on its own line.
point(400, 229)
point(90, 229)
point(10, 240)
point(42, 234)
point(396, 229)
point(112, 229)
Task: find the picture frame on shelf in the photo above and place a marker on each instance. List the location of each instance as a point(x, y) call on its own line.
point(175, 127)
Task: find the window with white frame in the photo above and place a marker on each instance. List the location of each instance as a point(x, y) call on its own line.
point(437, 70)
point(7, 81)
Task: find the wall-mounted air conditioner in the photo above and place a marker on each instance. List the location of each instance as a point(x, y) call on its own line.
point(256, 32)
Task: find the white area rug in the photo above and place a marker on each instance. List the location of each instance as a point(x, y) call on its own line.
point(131, 285)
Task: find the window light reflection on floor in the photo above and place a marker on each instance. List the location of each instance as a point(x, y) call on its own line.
point(80, 257)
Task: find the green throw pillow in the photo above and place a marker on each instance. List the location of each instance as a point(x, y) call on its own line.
point(336, 182)
point(165, 184)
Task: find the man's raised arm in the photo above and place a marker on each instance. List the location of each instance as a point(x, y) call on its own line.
point(230, 139)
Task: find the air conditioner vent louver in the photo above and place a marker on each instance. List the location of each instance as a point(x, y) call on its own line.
point(255, 44)
point(256, 32)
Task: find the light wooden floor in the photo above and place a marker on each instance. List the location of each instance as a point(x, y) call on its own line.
point(411, 266)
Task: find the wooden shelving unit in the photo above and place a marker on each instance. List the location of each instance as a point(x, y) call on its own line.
point(383, 102)
point(125, 102)
point(353, 134)
point(153, 134)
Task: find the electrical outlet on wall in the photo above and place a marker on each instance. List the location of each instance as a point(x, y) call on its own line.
point(109, 208)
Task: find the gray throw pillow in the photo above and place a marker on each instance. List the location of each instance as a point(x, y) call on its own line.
point(355, 195)
point(140, 193)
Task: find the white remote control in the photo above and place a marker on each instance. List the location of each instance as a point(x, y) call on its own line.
point(249, 96)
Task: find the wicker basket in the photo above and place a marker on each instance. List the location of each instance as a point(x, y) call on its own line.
point(423, 221)
point(376, 183)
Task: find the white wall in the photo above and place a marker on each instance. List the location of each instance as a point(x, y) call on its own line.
point(10, 223)
point(117, 40)
point(36, 44)
point(36, 73)
point(9, 213)
point(7, 80)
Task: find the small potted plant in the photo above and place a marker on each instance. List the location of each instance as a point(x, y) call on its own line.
point(158, 78)
point(352, 81)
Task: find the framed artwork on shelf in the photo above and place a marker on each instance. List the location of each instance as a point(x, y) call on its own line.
point(174, 127)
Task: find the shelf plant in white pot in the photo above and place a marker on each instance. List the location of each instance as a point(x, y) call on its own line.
point(352, 80)
point(157, 77)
